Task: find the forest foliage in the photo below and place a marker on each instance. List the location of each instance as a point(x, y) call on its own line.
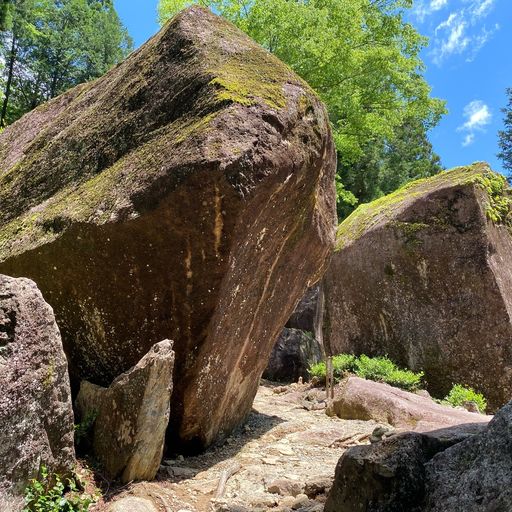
point(48, 46)
point(363, 59)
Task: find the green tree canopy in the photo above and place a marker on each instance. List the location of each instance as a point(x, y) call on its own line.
point(359, 55)
point(51, 45)
point(505, 136)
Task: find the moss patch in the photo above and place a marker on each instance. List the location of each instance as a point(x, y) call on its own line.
point(385, 208)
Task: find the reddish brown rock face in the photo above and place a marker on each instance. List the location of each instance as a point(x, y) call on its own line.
point(36, 416)
point(187, 195)
point(424, 277)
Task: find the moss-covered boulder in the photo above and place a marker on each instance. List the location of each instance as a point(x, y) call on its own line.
point(423, 275)
point(188, 194)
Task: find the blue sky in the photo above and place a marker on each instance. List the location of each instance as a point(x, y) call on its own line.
point(468, 60)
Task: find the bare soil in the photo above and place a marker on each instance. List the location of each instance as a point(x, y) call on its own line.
point(283, 458)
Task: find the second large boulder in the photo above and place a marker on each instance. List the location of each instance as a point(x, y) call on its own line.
point(423, 275)
point(188, 194)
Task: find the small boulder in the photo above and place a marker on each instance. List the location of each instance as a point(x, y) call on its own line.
point(132, 504)
point(291, 356)
point(476, 474)
point(390, 476)
point(307, 314)
point(36, 416)
point(423, 275)
point(285, 487)
point(361, 399)
point(132, 416)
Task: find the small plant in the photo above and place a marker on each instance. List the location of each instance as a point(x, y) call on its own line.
point(48, 493)
point(459, 395)
point(405, 379)
point(341, 364)
point(380, 369)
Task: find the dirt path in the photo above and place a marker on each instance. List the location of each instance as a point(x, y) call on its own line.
point(283, 451)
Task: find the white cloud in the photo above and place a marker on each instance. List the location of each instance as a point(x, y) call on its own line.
point(478, 116)
point(462, 31)
point(480, 8)
point(425, 8)
point(468, 139)
point(455, 39)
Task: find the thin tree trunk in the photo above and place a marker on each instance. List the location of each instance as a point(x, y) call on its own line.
point(8, 86)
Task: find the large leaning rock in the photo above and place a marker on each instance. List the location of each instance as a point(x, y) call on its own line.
point(189, 195)
point(131, 416)
point(361, 399)
point(36, 417)
point(424, 276)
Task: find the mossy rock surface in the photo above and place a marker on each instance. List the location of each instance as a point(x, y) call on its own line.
point(423, 276)
point(188, 195)
point(387, 208)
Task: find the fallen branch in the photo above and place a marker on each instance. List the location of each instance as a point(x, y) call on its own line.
point(224, 477)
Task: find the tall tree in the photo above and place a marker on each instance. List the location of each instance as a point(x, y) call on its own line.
point(359, 55)
point(505, 136)
point(387, 165)
point(52, 45)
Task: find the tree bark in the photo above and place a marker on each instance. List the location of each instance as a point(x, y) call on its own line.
point(8, 85)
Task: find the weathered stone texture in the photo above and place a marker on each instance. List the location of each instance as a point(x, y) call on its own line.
point(36, 417)
point(131, 416)
point(360, 399)
point(188, 194)
point(424, 276)
point(292, 355)
point(464, 468)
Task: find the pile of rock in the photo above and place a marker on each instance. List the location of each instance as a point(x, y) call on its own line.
point(175, 197)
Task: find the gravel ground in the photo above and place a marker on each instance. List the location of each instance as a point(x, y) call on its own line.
point(282, 459)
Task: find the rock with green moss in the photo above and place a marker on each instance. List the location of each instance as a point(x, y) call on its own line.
point(188, 194)
point(36, 416)
point(423, 276)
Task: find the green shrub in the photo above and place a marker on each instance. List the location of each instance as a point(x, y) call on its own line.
point(405, 379)
point(459, 394)
point(374, 368)
point(380, 369)
point(341, 364)
point(50, 494)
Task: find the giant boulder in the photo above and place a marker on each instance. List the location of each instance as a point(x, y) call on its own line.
point(36, 417)
point(188, 195)
point(423, 275)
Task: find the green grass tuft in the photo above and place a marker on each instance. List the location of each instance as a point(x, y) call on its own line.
point(460, 394)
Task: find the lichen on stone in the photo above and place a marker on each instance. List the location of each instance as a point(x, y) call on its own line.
point(387, 207)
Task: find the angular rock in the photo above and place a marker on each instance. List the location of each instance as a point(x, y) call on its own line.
point(188, 194)
point(389, 476)
point(285, 487)
point(292, 355)
point(361, 399)
point(133, 504)
point(423, 276)
point(131, 416)
point(36, 417)
point(476, 474)
point(306, 315)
